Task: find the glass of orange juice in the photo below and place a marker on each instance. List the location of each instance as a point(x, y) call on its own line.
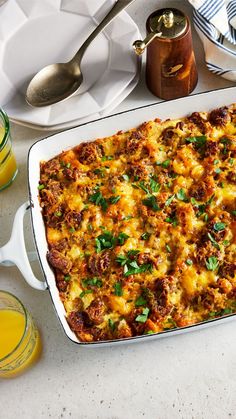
point(8, 167)
point(20, 344)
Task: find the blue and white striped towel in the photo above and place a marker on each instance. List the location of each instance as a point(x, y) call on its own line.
point(215, 22)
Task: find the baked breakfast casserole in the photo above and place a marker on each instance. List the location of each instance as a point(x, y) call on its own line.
point(141, 226)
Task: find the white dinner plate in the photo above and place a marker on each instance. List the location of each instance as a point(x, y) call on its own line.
point(36, 33)
point(92, 117)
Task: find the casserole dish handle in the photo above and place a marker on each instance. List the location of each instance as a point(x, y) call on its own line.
point(14, 251)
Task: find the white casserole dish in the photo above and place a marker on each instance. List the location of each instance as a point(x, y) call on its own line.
point(49, 147)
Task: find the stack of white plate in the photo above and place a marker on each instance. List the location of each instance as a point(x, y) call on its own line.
point(36, 33)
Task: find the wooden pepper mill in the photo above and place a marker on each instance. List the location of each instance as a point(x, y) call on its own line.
point(171, 68)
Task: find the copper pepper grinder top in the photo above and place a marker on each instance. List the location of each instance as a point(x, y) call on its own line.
point(171, 68)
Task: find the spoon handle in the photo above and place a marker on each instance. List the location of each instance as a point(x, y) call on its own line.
point(116, 9)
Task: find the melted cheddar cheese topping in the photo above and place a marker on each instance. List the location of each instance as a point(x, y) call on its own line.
point(141, 226)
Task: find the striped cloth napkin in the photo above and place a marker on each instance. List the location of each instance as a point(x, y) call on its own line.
point(215, 22)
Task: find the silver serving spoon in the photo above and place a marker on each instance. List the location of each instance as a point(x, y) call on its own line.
point(58, 81)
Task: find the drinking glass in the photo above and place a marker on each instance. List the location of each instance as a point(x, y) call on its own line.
point(20, 344)
point(8, 167)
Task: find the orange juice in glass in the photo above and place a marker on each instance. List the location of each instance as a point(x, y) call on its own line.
point(8, 167)
point(20, 344)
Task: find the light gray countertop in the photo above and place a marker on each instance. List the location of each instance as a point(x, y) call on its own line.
point(186, 376)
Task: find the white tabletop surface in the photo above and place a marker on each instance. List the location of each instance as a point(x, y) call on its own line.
point(187, 376)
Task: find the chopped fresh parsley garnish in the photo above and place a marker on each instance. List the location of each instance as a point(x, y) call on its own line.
point(169, 200)
point(231, 161)
point(172, 221)
point(210, 200)
point(151, 202)
point(105, 241)
point(226, 311)
point(142, 186)
point(111, 324)
point(155, 186)
point(199, 141)
point(41, 186)
point(67, 278)
point(212, 263)
point(171, 323)
point(145, 236)
point(128, 217)
point(216, 161)
point(125, 177)
point(219, 226)
point(165, 163)
point(213, 314)
point(168, 248)
point(105, 158)
point(100, 172)
point(189, 262)
point(206, 217)
point(72, 230)
point(215, 244)
point(226, 242)
point(121, 259)
point(218, 171)
point(98, 199)
point(89, 227)
point(224, 141)
point(222, 312)
point(64, 164)
point(142, 318)
point(141, 301)
point(118, 289)
point(108, 241)
point(58, 213)
point(94, 282)
point(181, 195)
point(233, 212)
point(131, 267)
point(114, 199)
point(202, 207)
point(121, 238)
point(85, 292)
point(133, 252)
